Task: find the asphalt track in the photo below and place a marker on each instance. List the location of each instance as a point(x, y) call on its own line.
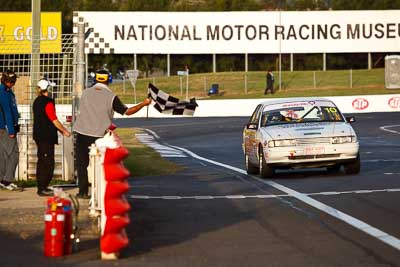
point(213, 215)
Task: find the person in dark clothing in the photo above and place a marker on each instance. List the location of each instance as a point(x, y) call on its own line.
point(9, 152)
point(270, 82)
point(96, 110)
point(45, 126)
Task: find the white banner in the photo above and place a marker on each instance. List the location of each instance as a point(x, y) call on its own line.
point(245, 107)
point(241, 32)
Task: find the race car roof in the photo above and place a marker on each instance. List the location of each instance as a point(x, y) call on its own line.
point(286, 102)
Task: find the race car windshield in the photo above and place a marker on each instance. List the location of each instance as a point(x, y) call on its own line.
point(301, 114)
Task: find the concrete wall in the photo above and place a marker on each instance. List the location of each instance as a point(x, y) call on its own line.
point(245, 107)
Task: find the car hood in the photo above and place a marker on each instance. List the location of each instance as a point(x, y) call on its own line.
point(308, 130)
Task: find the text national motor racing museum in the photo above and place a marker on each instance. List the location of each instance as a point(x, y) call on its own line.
point(244, 32)
point(257, 32)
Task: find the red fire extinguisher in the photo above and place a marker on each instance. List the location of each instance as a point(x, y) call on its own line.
point(54, 228)
point(58, 227)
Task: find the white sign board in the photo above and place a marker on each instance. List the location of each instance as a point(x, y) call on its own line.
point(241, 32)
point(132, 74)
point(181, 73)
point(392, 72)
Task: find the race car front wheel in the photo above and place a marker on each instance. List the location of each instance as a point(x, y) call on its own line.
point(353, 167)
point(265, 170)
point(250, 167)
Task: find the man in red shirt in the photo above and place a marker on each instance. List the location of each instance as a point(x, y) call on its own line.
point(45, 126)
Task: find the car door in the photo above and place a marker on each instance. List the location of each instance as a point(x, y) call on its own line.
point(250, 133)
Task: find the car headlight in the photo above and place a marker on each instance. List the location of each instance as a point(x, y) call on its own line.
point(283, 142)
point(343, 139)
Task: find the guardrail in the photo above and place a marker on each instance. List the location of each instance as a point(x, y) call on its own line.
point(95, 177)
point(244, 107)
point(64, 155)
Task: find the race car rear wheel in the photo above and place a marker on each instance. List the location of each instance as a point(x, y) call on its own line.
point(265, 170)
point(353, 167)
point(250, 167)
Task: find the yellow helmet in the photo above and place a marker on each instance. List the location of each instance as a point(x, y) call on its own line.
point(102, 76)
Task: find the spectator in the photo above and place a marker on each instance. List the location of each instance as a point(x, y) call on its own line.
point(96, 109)
point(45, 126)
point(9, 154)
point(270, 83)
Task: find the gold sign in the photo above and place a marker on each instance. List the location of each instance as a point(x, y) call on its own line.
point(16, 32)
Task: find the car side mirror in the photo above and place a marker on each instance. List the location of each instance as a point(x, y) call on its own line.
point(351, 119)
point(252, 126)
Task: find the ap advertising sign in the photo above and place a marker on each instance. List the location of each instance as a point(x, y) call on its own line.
point(241, 32)
point(360, 103)
point(394, 103)
point(16, 32)
point(368, 103)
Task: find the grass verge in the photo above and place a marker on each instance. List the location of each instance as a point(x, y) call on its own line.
point(33, 183)
point(142, 160)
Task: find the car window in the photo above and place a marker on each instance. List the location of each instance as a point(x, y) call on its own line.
point(300, 113)
point(274, 117)
point(256, 115)
point(331, 114)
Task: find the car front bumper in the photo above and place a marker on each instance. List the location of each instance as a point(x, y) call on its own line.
point(311, 155)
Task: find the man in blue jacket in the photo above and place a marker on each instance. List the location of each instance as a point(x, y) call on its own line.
point(9, 154)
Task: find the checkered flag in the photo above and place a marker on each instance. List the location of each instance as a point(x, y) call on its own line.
point(170, 105)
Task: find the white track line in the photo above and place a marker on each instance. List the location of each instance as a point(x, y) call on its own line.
point(165, 151)
point(381, 160)
point(266, 196)
point(385, 128)
point(366, 228)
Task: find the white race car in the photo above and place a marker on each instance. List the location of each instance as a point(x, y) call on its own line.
point(299, 133)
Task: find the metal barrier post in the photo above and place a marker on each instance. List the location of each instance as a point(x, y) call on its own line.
point(94, 175)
